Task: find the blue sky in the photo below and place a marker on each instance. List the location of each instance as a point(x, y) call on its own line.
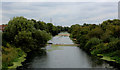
point(62, 13)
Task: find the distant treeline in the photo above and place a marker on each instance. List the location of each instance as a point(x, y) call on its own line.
point(100, 40)
point(22, 36)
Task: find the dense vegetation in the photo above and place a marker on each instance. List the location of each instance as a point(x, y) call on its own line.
point(23, 36)
point(100, 40)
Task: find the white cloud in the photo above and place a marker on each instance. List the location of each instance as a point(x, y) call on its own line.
point(101, 17)
point(65, 13)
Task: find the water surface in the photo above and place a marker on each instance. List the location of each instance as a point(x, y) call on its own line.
point(65, 56)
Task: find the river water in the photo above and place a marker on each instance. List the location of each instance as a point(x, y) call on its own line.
point(65, 56)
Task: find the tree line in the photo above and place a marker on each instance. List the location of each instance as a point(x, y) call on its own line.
point(102, 39)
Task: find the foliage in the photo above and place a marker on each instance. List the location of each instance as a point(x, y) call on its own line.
point(99, 39)
point(24, 38)
point(97, 32)
point(41, 37)
point(91, 43)
point(10, 55)
point(22, 34)
point(16, 25)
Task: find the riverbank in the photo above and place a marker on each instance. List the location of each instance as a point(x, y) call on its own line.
point(29, 57)
point(112, 60)
point(12, 57)
point(106, 57)
point(18, 62)
point(101, 40)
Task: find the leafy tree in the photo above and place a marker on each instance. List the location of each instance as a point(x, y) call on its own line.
point(97, 32)
point(106, 36)
point(116, 32)
point(40, 37)
point(91, 43)
point(49, 27)
point(25, 41)
point(40, 25)
point(16, 25)
point(22, 33)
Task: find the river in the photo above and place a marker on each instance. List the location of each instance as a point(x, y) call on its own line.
point(65, 56)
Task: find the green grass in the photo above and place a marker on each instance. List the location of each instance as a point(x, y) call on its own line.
point(18, 63)
point(108, 58)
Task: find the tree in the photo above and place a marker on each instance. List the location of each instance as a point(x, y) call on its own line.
point(16, 25)
point(22, 33)
point(40, 38)
point(25, 41)
point(49, 27)
point(97, 32)
point(91, 43)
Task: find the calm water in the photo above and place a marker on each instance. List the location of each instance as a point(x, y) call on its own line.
point(65, 57)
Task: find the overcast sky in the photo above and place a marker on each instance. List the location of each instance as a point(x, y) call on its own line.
point(59, 0)
point(62, 13)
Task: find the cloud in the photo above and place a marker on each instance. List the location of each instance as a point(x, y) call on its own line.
point(62, 13)
point(101, 18)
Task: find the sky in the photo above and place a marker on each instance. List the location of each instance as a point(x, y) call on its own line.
point(62, 13)
point(59, 0)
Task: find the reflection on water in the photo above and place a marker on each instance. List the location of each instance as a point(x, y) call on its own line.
point(65, 57)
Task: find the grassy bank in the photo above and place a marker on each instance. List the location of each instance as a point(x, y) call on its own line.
point(12, 57)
